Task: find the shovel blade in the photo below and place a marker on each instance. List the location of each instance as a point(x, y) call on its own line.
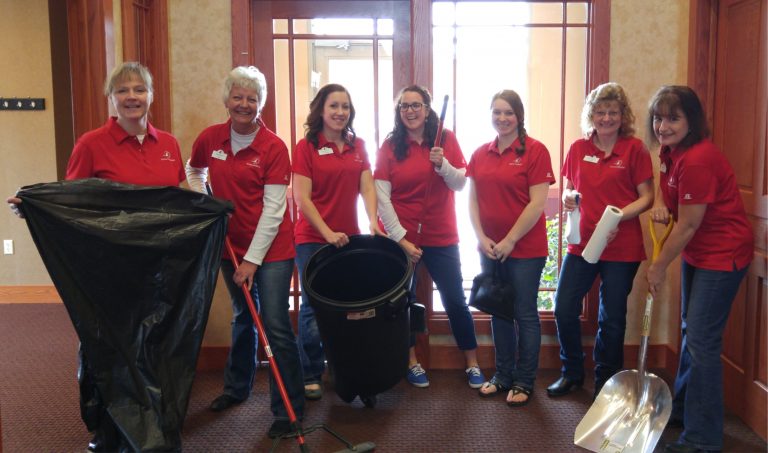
point(628, 416)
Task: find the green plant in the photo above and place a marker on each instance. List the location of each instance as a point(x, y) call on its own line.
point(549, 275)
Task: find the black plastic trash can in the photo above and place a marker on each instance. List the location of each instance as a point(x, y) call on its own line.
point(360, 297)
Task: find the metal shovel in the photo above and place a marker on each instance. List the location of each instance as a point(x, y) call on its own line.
point(634, 406)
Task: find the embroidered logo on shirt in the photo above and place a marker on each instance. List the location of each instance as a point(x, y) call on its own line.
point(167, 156)
point(518, 162)
point(671, 182)
point(687, 197)
point(256, 162)
point(663, 168)
point(618, 164)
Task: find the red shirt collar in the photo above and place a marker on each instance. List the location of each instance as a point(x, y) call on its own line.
point(120, 135)
point(494, 146)
point(224, 134)
point(617, 151)
point(322, 142)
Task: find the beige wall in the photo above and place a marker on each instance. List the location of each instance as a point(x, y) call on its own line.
point(27, 146)
point(648, 49)
point(201, 56)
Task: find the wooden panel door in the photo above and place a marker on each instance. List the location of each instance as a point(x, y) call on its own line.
point(739, 128)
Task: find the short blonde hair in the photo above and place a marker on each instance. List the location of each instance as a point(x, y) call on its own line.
point(124, 71)
point(248, 77)
point(608, 92)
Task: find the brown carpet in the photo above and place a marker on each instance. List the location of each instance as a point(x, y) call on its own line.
point(39, 404)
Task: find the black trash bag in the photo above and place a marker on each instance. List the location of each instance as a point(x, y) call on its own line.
point(136, 268)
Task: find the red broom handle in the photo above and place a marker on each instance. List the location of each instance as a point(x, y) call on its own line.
point(263, 339)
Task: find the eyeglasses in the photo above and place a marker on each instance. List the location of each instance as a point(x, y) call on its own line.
point(610, 114)
point(415, 106)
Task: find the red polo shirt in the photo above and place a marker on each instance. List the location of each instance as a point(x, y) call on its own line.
point(241, 179)
point(502, 182)
point(604, 181)
point(411, 179)
point(702, 175)
point(110, 153)
point(335, 180)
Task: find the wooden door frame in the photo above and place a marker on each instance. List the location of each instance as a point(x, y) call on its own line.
point(252, 34)
point(156, 56)
point(251, 45)
point(702, 71)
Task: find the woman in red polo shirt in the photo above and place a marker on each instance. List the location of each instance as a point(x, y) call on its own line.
point(415, 184)
point(513, 171)
point(249, 165)
point(330, 170)
point(712, 232)
point(126, 149)
point(607, 167)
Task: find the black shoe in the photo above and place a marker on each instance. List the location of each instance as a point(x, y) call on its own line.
point(224, 402)
point(105, 437)
point(563, 386)
point(677, 447)
point(281, 428)
point(102, 443)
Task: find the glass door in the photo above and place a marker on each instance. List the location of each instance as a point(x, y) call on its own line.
point(301, 46)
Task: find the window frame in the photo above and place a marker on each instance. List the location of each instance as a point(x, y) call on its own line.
point(252, 25)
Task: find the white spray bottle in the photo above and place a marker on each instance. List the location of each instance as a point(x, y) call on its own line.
point(572, 234)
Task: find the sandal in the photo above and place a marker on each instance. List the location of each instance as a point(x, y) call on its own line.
point(497, 386)
point(517, 390)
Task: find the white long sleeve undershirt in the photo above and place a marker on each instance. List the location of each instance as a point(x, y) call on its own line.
point(455, 178)
point(275, 204)
point(387, 211)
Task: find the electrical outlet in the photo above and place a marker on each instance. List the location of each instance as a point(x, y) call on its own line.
point(7, 246)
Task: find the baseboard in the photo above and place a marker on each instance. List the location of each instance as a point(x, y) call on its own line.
point(36, 294)
point(659, 357)
point(212, 358)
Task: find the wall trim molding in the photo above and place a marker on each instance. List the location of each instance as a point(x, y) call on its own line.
point(660, 357)
point(211, 358)
point(32, 294)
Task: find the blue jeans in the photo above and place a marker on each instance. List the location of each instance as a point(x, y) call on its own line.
point(576, 278)
point(444, 267)
point(523, 336)
point(310, 344)
point(270, 293)
point(706, 302)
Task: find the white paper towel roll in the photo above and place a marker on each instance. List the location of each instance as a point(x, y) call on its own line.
point(610, 219)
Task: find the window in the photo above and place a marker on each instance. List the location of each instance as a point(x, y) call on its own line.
point(538, 49)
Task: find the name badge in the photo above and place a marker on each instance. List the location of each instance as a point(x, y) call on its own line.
point(219, 154)
point(324, 150)
point(663, 168)
point(593, 159)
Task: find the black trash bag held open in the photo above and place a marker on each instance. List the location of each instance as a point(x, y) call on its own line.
point(136, 268)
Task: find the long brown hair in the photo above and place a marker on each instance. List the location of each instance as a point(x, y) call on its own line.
point(514, 101)
point(314, 124)
point(399, 135)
